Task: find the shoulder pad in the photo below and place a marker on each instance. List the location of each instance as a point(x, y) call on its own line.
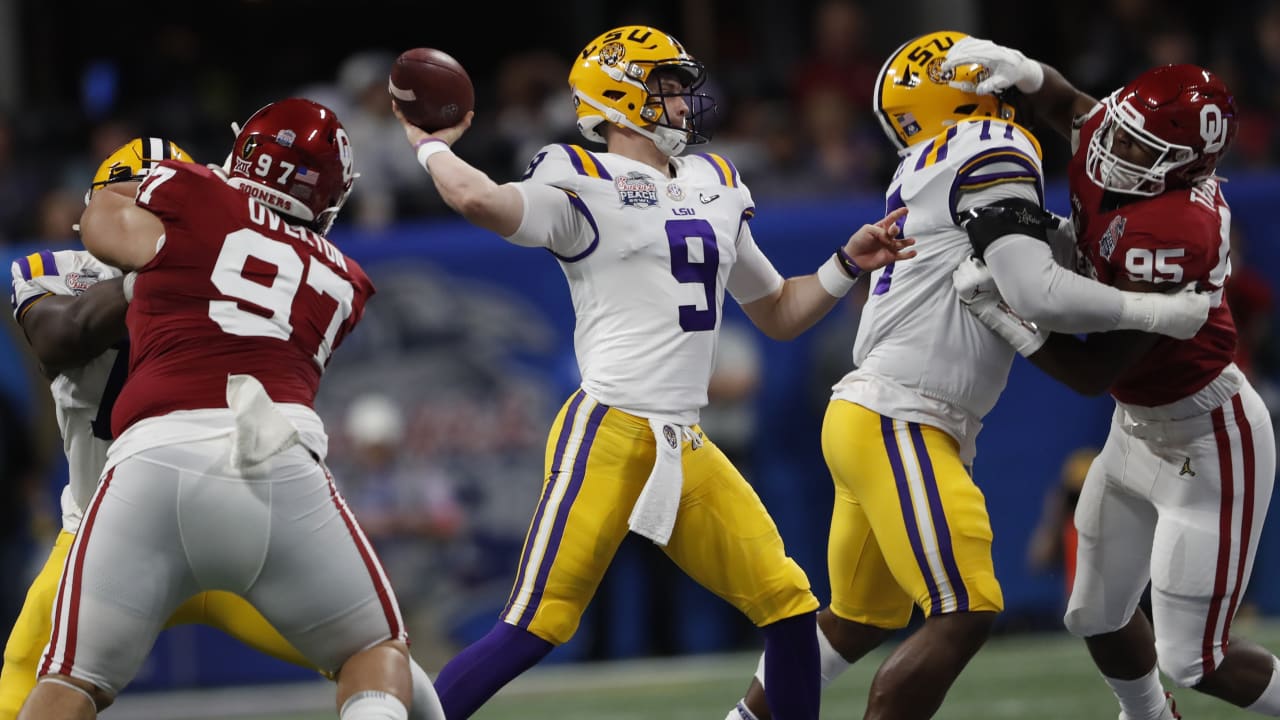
point(554, 164)
point(725, 171)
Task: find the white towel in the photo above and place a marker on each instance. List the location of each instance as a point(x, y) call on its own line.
point(261, 429)
point(654, 514)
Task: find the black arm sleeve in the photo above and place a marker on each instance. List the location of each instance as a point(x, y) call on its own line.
point(1010, 216)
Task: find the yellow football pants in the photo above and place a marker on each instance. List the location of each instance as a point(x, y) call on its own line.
point(222, 610)
point(909, 525)
point(598, 459)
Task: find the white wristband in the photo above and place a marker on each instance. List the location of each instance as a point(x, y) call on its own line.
point(429, 147)
point(834, 279)
point(127, 288)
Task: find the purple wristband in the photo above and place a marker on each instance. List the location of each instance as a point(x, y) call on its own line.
point(847, 264)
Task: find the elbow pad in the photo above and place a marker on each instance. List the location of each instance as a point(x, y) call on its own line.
point(1010, 216)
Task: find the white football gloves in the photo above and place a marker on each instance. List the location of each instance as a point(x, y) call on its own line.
point(1179, 315)
point(1007, 67)
point(980, 296)
point(127, 288)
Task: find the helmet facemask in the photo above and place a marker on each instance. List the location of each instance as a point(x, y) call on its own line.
point(620, 79)
point(1111, 172)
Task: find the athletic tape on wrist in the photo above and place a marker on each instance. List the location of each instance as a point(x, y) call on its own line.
point(834, 278)
point(428, 147)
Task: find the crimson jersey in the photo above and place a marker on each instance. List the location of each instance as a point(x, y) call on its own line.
point(1177, 237)
point(232, 289)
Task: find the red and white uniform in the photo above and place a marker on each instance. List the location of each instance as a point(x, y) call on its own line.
point(1180, 491)
point(233, 291)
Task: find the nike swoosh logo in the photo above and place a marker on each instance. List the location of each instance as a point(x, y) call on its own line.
point(704, 199)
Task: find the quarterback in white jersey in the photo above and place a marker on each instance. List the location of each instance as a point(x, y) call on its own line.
point(649, 242)
point(646, 343)
point(910, 526)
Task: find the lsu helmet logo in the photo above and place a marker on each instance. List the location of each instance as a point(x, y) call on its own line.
point(612, 53)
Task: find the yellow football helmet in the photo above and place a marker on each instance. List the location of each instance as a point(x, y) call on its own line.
point(916, 100)
point(610, 83)
point(133, 160)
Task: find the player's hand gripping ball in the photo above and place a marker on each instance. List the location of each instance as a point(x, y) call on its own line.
point(431, 88)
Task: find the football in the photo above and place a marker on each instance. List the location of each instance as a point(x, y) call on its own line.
point(431, 88)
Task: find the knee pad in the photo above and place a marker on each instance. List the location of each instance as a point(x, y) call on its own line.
point(1089, 617)
point(1086, 622)
point(1183, 664)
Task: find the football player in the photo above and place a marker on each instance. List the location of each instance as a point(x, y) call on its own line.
point(649, 241)
point(215, 479)
point(909, 526)
point(1178, 495)
point(71, 308)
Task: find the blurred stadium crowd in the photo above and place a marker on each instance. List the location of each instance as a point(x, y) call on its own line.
point(793, 83)
point(794, 86)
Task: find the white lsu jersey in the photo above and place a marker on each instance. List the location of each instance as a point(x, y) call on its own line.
point(648, 260)
point(919, 355)
point(82, 396)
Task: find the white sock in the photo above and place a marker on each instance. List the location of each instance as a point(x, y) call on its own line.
point(1268, 703)
point(832, 664)
point(426, 705)
point(740, 712)
point(1141, 699)
point(373, 705)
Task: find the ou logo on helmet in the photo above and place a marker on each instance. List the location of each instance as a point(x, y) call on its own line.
point(346, 156)
point(1213, 128)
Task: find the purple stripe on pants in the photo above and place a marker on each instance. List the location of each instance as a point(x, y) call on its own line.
point(562, 513)
point(565, 431)
point(940, 527)
point(908, 513)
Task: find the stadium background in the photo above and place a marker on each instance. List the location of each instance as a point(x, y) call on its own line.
point(438, 405)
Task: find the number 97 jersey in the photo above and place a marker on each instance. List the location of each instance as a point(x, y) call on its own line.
point(648, 259)
point(233, 289)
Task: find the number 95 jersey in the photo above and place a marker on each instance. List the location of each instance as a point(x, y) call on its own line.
point(648, 259)
point(232, 289)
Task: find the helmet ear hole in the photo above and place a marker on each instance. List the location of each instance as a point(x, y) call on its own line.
point(614, 95)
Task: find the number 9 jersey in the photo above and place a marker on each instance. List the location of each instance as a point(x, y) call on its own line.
point(242, 292)
point(648, 259)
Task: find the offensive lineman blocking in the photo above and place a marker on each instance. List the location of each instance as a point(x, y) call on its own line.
point(909, 524)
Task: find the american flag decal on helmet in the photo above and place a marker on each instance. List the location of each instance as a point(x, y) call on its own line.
point(307, 176)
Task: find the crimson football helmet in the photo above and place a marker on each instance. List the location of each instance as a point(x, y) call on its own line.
point(1183, 115)
point(295, 157)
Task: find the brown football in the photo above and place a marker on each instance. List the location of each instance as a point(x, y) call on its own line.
point(431, 88)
